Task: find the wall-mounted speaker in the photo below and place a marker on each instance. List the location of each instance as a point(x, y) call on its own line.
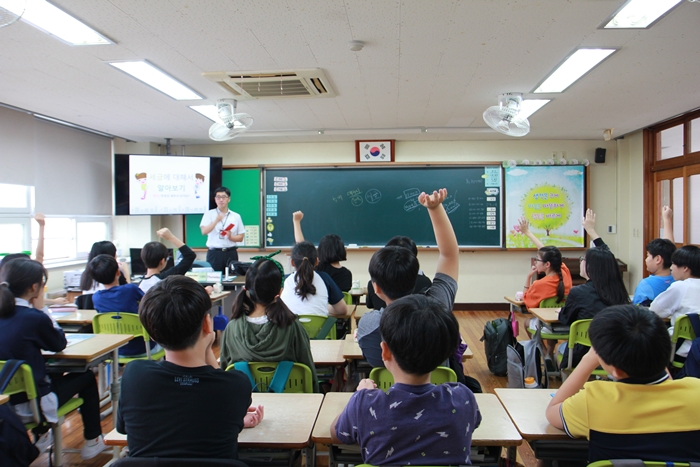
point(600, 155)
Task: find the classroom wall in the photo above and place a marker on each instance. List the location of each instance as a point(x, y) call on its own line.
point(615, 191)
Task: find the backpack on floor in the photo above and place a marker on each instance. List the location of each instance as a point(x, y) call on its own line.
point(526, 359)
point(691, 367)
point(498, 335)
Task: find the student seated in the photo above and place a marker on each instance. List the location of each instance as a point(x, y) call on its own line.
point(331, 251)
point(658, 263)
point(557, 277)
point(155, 256)
point(422, 281)
point(117, 298)
point(26, 330)
point(604, 286)
point(393, 271)
point(307, 292)
point(416, 422)
point(87, 283)
point(683, 296)
point(184, 407)
point(262, 328)
point(643, 414)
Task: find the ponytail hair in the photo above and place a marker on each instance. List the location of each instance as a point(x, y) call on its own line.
point(262, 286)
point(16, 277)
point(304, 259)
point(552, 255)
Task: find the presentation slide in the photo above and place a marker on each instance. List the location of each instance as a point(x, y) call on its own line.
point(168, 184)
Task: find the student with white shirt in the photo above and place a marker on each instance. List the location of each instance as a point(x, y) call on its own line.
point(683, 296)
point(224, 230)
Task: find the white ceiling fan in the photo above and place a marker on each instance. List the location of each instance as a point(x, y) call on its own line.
point(504, 116)
point(232, 124)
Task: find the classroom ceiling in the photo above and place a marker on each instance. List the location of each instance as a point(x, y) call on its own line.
point(436, 64)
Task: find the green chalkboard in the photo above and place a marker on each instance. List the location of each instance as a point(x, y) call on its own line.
point(367, 206)
point(245, 200)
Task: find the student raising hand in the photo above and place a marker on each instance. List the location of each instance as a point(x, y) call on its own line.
point(434, 200)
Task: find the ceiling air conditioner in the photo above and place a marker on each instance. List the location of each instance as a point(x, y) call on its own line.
point(246, 85)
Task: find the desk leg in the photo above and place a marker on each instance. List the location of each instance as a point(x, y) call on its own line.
point(512, 454)
point(310, 454)
point(115, 388)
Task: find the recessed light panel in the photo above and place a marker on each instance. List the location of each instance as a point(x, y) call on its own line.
point(530, 106)
point(578, 64)
point(158, 79)
point(640, 14)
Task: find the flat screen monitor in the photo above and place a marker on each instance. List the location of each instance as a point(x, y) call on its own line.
point(159, 185)
point(137, 266)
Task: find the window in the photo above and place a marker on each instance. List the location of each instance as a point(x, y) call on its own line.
point(16, 205)
point(70, 238)
point(672, 178)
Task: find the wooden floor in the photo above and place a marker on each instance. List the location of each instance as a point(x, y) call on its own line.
point(471, 326)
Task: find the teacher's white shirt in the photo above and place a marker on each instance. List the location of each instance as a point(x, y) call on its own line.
point(213, 239)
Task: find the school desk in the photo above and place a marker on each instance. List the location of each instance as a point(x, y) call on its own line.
point(74, 321)
point(546, 315)
point(219, 297)
point(526, 408)
point(352, 350)
point(515, 304)
point(496, 428)
point(4, 399)
point(287, 424)
point(85, 354)
point(328, 352)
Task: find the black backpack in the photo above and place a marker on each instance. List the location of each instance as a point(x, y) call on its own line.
point(498, 335)
point(692, 362)
point(16, 450)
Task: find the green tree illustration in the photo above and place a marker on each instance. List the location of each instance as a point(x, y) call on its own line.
point(546, 206)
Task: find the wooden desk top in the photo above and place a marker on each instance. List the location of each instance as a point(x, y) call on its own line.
point(358, 292)
point(4, 399)
point(526, 408)
point(468, 354)
point(288, 421)
point(78, 317)
point(496, 429)
point(546, 315)
point(218, 296)
point(92, 348)
point(327, 352)
point(351, 349)
point(514, 301)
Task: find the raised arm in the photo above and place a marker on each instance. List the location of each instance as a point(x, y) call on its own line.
point(297, 216)
point(448, 260)
point(166, 234)
point(525, 229)
point(589, 225)
point(667, 216)
point(41, 220)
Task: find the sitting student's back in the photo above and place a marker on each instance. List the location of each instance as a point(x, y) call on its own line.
point(643, 414)
point(416, 422)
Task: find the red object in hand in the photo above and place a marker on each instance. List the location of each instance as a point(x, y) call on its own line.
point(223, 233)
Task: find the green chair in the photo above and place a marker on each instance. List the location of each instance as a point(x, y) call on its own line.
point(578, 334)
point(299, 381)
point(125, 323)
point(319, 327)
point(347, 298)
point(636, 463)
point(23, 382)
point(682, 329)
point(384, 379)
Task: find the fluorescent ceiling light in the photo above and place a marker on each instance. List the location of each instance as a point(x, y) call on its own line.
point(152, 76)
point(208, 111)
point(52, 20)
point(640, 13)
point(530, 106)
point(575, 66)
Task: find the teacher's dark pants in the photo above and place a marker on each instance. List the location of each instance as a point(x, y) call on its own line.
point(219, 258)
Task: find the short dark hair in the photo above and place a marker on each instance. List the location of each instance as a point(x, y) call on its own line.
point(331, 249)
point(688, 256)
point(420, 332)
point(662, 247)
point(262, 286)
point(7, 258)
point(153, 253)
point(223, 189)
point(632, 339)
point(104, 247)
point(103, 268)
point(395, 270)
point(16, 277)
point(173, 311)
point(406, 242)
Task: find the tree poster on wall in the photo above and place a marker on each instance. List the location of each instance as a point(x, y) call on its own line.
point(552, 199)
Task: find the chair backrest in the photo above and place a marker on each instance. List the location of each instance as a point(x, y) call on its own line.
point(84, 302)
point(23, 382)
point(683, 329)
point(315, 324)
point(347, 298)
point(578, 334)
point(120, 323)
point(165, 462)
point(384, 379)
point(300, 378)
point(552, 302)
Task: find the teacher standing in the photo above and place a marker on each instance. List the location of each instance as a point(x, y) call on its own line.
point(224, 230)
